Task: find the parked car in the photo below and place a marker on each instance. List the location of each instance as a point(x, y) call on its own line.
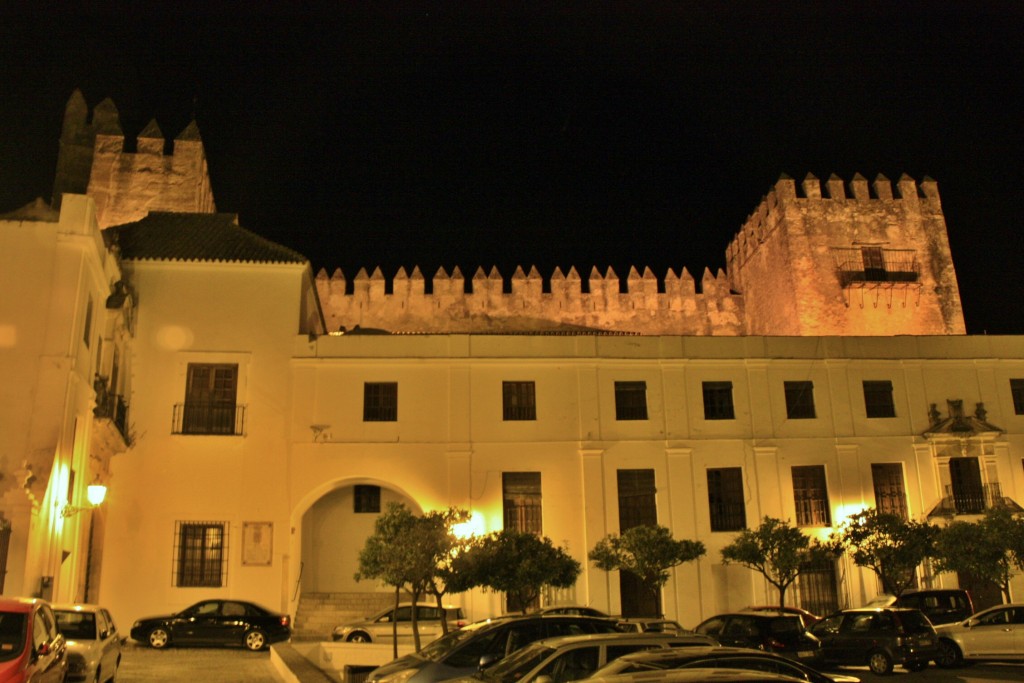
point(224, 622)
point(809, 618)
point(570, 658)
point(578, 610)
point(650, 625)
point(940, 605)
point(31, 646)
point(481, 644)
point(879, 638)
point(777, 632)
point(996, 633)
point(94, 645)
point(698, 676)
point(380, 628)
point(717, 657)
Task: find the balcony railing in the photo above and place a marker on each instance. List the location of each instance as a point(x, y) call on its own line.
point(969, 501)
point(114, 408)
point(205, 417)
point(896, 265)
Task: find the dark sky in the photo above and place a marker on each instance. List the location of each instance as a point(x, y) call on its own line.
point(551, 134)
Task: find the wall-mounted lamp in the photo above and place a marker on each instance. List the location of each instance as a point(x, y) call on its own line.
point(96, 493)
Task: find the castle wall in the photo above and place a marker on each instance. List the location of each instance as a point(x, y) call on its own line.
point(785, 261)
point(448, 308)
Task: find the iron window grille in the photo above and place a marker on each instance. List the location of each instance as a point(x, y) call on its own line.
point(725, 499)
point(878, 401)
point(380, 402)
point(637, 498)
point(200, 554)
point(810, 495)
point(521, 502)
point(818, 587)
point(718, 401)
point(519, 401)
point(366, 499)
point(799, 400)
point(890, 495)
point(1017, 392)
point(210, 405)
point(631, 400)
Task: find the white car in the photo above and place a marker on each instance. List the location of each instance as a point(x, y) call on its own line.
point(380, 627)
point(995, 634)
point(94, 645)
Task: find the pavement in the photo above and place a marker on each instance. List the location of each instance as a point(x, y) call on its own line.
point(295, 668)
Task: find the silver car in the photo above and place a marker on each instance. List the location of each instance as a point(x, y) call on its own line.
point(94, 645)
point(995, 634)
point(380, 627)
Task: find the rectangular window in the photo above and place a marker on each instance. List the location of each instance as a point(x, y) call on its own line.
point(725, 499)
point(799, 400)
point(818, 587)
point(201, 554)
point(380, 402)
point(718, 401)
point(88, 323)
point(631, 400)
point(890, 496)
point(210, 395)
point(874, 263)
point(878, 399)
point(518, 400)
point(810, 495)
point(637, 501)
point(521, 501)
point(366, 499)
point(1017, 392)
point(966, 488)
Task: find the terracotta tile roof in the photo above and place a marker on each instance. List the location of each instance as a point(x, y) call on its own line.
point(166, 236)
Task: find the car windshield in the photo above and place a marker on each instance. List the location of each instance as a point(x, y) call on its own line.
point(517, 664)
point(76, 625)
point(12, 635)
point(436, 650)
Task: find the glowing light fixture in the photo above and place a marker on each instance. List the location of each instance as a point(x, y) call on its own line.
point(96, 493)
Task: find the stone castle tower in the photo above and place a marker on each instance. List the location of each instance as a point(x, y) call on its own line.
point(859, 261)
point(126, 186)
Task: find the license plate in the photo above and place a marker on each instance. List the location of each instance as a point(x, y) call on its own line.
point(805, 653)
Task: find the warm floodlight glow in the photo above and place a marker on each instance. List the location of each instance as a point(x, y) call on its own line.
point(174, 337)
point(96, 493)
point(474, 526)
point(845, 512)
point(8, 336)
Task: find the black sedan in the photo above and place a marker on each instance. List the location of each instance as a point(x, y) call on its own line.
point(215, 622)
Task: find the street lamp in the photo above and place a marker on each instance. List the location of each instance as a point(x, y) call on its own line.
point(96, 493)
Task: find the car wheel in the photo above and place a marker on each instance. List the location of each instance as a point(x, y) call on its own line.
point(950, 656)
point(880, 663)
point(158, 638)
point(359, 637)
point(255, 640)
point(916, 666)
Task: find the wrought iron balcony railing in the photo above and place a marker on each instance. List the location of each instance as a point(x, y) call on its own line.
point(884, 265)
point(970, 500)
point(206, 417)
point(114, 408)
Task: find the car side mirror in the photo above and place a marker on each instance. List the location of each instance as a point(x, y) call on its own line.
point(43, 649)
point(487, 660)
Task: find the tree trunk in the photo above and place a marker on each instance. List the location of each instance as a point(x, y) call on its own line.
point(394, 622)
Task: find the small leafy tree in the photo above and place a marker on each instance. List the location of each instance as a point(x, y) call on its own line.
point(887, 544)
point(445, 546)
point(778, 551)
point(647, 552)
point(991, 548)
point(517, 563)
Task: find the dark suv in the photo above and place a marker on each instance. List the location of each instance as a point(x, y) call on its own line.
point(879, 638)
point(480, 644)
point(779, 632)
point(940, 605)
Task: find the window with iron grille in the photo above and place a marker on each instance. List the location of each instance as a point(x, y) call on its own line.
point(810, 494)
point(366, 498)
point(88, 323)
point(637, 500)
point(818, 587)
point(200, 554)
point(799, 400)
point(718, 401)
point(522, 502)
point(878, 399)
point(631, 400)
point(1017, 392)
point(890, 496)
point(210, 399)
point(380, 402)
point(967, 488)
point(725, 499)
point(518, 400)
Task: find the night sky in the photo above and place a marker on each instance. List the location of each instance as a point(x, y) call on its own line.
point(597, 133)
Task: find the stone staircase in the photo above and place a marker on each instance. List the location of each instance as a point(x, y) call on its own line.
point(318, 613)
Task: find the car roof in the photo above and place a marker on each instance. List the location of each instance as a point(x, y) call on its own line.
point(696, 674)
point(75, 607)
point(691, 651)
point(24, 605)
point(590, 638)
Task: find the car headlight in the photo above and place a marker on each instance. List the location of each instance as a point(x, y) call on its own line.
point(397, 677)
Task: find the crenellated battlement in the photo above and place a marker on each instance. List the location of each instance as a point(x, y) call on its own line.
point(489, 302)
point(127, 185)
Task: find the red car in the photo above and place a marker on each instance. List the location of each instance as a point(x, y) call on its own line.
point(31, 647)
point(808, 618)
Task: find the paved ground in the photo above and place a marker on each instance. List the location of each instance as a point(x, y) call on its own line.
point(196, 665)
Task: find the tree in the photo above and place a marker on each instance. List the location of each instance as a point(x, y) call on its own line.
point(647, 552)
point(445, 546)
point(777, 550)
point(887, 544)
point(517, 563)
point(991, 548)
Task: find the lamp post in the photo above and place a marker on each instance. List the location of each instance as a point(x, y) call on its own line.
point(95, 493)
